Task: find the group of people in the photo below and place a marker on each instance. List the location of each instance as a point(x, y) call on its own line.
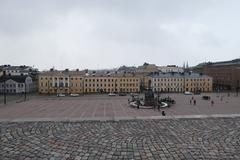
point(194, 101)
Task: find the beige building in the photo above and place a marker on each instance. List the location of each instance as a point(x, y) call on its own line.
point(177, 82)
point(67, 82)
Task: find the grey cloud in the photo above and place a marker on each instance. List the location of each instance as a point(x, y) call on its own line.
point(108, 33)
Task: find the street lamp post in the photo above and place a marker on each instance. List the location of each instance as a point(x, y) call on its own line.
point(237, 88)
point(25, 93)
point(115, 88)
point(48, 87)
point(4, 91)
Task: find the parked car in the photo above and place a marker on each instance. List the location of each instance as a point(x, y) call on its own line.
point(134, 94)
point(122, 94)
point(74, 95)
point(60, 95)
point(111, 94)
point(188, 93)
point(206, 97)
point(197, 92)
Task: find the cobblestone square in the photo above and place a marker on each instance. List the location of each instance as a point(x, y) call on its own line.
point(102, 127)
point(208, 138)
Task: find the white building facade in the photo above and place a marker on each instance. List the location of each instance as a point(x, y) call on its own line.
point(180, 82)
point(16, 84)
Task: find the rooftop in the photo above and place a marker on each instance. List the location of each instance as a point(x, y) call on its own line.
point(19, 79)
point(235, 62)
point(178, 75)
point(84, 73)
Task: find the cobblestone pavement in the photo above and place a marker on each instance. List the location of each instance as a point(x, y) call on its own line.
point(207, 138)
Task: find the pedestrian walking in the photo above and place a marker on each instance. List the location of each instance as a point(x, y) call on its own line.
point(163, 113)
point(212, 102)
point(138, 103)
point(194, 101)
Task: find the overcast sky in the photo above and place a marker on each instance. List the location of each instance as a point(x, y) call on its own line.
point(110, 33)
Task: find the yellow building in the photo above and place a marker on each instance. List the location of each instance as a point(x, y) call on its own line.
point(76, 82)
point(197, 82)
point(129, 83)
point(111, 83)
point(54, 82)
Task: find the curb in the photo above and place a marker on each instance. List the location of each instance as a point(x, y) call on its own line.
point(66, 119)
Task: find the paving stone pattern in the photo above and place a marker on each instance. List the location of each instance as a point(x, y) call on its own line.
point(209, 138)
